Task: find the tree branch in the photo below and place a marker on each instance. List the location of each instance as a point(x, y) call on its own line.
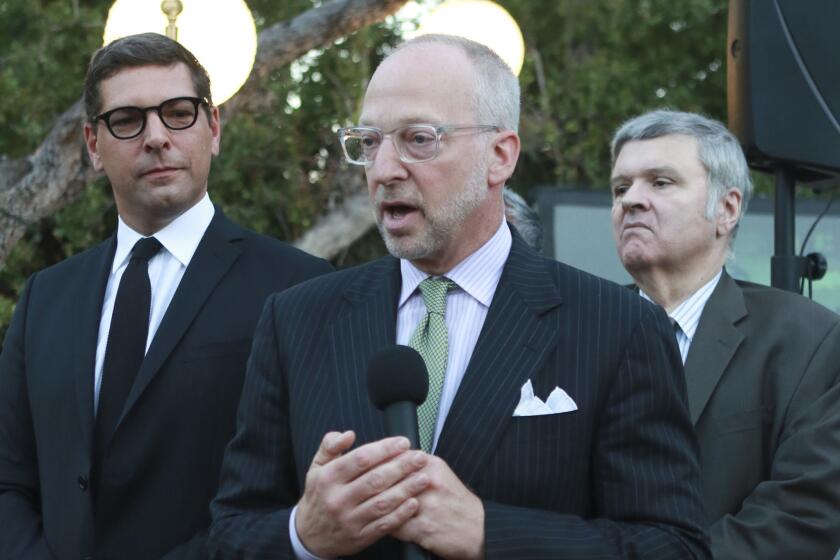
point(341, 226)
point(284, 42)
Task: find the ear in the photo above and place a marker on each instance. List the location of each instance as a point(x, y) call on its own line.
point(728, 212)
point(215, 129)
point(91, 142)
point(505, 152)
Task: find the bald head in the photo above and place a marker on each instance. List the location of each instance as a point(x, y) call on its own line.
point(440, 208)
point(424, 83)
point(494, 94)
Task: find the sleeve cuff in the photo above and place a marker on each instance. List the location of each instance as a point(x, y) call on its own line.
point(300, 551)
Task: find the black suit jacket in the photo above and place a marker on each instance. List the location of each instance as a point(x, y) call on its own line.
point(162, 464)
point(762, 375)
point(619, 477)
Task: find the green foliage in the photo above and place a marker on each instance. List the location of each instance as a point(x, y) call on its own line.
point(277, 166)
point(590, 64)
point(44, 51)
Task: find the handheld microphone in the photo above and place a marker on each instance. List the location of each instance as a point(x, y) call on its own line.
point(397, 384)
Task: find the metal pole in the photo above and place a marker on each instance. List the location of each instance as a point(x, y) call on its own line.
point(171, 8)
point(786, 269)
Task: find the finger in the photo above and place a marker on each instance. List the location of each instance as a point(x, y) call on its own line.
point(391, 522)
point(385, 475)
point(387, 501)
point(362, 459)
point(332, 446)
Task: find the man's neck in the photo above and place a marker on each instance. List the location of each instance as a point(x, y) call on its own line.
point(472, 239)
point(669, 289)
point(148, 223)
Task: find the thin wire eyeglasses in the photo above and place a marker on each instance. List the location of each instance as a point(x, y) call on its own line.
point(415, 143)
point(178, 113)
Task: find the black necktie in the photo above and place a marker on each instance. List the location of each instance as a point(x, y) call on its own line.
point(126, 341)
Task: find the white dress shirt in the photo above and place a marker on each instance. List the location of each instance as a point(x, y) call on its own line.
point(477, 277)
point(180, 239)
point(686, 316)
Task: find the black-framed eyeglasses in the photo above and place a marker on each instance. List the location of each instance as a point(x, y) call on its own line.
point(415, 143)
point(175, 114)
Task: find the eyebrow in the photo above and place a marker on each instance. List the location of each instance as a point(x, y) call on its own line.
point(136, 106)
point(406, 121)
point(665, 170)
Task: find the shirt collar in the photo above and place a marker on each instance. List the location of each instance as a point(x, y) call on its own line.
point(687, 314)
point(180, 237)
point(478, 274)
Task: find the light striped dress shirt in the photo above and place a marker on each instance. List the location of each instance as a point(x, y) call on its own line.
point(686, 316)
point(466, 308)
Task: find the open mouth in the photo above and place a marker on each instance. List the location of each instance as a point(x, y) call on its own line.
point(397, 211)
point(397, 215)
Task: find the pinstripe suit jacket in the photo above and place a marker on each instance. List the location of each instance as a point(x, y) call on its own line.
point(618, 478)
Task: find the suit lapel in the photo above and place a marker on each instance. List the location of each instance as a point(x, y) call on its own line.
point(366, 325)
point(215, 254)
point(715, 342)
point(86, 319)
point(516, 338)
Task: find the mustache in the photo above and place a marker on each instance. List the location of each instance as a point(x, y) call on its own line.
point(397, 193)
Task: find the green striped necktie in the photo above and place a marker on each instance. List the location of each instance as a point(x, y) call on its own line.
point(431, 340)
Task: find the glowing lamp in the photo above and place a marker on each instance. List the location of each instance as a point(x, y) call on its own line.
point(482, 21)
point(220, 33)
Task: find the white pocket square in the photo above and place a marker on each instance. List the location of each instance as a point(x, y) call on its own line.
point(531, 405)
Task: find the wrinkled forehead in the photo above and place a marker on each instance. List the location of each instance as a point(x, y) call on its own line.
point(429, 83)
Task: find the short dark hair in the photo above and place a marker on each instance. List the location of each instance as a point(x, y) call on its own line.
point(144, 49)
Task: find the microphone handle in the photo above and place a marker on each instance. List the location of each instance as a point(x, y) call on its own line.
point(401, 420)
point(413, 552)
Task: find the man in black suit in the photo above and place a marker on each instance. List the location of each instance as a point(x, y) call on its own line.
point(558, 426)
point(99, 458)
point(761, 365)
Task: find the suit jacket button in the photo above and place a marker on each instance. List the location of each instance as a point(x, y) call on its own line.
point(83, 483)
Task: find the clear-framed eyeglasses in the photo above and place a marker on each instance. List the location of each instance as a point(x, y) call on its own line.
point(415, 143)
point(178, 113)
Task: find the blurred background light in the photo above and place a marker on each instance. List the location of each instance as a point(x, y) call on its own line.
point(220, 33)
point(479, 20)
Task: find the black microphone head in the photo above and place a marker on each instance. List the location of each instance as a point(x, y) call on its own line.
point(397, 373)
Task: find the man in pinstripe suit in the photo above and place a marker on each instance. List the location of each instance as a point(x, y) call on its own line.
point(612, 474)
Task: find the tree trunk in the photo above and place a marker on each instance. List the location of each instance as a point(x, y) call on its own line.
point(342, 225)
point(35, 186)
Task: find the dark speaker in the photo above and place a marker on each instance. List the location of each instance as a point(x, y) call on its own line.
point(783, 83)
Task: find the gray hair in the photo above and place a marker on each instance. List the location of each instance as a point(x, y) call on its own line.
point(720, 152)
point(496, 92)
point(524, 218)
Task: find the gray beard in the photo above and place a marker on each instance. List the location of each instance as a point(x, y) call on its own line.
point(441, 228)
